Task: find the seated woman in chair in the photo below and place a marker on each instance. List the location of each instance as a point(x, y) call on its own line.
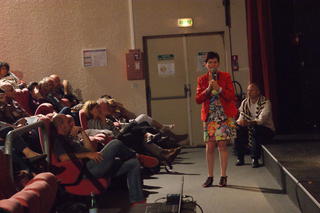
point(117, 112)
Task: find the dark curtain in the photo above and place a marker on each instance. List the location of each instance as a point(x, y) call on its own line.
point(260, 48)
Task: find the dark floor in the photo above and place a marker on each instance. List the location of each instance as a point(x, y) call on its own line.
point(302, 160)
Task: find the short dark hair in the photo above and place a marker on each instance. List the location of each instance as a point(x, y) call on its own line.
point(212, 55)
point(32, 85)
point(5, 64)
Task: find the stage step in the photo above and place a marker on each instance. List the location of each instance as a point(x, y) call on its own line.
point(296, 167)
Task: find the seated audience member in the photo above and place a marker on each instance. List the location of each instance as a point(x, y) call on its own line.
point(13, 116)
point(255, 125)
point(7, 76)
point(118, 112)
point(137, 138)
point(46, 89)
point(100, 164)
point(10, 110)
point(35, 97)
point(21, 96)
point(63, 90)
point(25, 149)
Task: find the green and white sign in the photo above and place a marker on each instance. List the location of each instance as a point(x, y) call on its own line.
point(166, 66)
point(165, 57)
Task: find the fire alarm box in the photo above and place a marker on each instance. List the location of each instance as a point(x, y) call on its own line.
point(135, 65)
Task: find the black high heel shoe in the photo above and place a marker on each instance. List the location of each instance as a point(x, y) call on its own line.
point(208, 182)
point(223, 181)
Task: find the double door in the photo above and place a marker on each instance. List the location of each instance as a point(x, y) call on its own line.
point(174, 64)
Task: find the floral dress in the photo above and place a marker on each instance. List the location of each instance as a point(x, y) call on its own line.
point(218, 127)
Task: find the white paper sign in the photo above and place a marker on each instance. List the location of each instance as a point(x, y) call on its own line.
point(166, 69)
point(95, 58)
point(201, 61)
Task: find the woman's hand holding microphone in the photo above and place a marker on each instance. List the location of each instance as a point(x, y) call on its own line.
point(213, 85)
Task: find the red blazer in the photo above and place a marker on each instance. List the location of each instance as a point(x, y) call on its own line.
point(227, 96)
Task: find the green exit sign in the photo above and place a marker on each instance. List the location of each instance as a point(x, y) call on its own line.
point(185, 22)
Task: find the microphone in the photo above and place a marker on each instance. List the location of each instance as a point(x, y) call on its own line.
point(214, 73)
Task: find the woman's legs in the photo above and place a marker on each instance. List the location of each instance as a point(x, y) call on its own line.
point(210, 146)
point(223, 152)
point(144, 118)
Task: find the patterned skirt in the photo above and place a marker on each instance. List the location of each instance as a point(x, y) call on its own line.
point(219, 130)
point(218, 126)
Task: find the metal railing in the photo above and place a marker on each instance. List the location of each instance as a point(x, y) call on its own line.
point(19, 132)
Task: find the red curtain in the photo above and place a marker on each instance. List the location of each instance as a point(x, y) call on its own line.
point(260, 47)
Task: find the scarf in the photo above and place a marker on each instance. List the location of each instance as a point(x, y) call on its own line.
point(248, 115)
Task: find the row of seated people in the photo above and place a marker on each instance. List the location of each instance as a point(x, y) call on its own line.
point(103, 119)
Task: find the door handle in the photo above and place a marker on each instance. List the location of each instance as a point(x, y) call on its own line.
point(187, 90)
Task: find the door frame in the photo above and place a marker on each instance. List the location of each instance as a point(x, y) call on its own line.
point(225, 33)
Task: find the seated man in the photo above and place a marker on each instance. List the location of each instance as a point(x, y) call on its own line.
point(63, 89)
point(100, 164)
point(255, 125)
point(46, 89)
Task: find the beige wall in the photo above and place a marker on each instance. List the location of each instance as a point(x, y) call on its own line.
point(208, 16)
point(41, 37)
point(239, 40)
point(44, 37)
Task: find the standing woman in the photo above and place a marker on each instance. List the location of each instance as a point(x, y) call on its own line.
point(216, 94)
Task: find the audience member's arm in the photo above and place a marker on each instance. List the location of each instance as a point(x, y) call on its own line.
point(241, 120)
point(66, 87)
point(96, 156)
point(86, 141)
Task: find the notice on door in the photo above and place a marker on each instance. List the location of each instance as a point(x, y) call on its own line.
point(201, 61)
point(166, 66)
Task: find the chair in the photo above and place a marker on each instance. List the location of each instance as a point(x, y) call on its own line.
point(48, 177)
point(23, 98)
point(39, 194)
point(6, 184)
point(45, 192)
point(238, 93)
point(71, 178)
point(44, 109)
point(11, 205)
point(30, 200)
